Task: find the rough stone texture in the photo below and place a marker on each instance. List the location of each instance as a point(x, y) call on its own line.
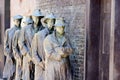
point(21, 7)
point(2, 2)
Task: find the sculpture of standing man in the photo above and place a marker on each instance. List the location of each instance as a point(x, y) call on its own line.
point(38, 53)
point(9, 68)
point(16, 49)
point(57, 51)
point(27, 34)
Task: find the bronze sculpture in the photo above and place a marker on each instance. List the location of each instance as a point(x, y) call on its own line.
point(38, 53)
point(57, 51)
point(25, 40)
point(16, 49)
point(9, 68)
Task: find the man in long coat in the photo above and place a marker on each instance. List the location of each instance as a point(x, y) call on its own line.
point(38, 53)
point(27, 34)
point(9, 68)
point(16, 49)
point(57, 51)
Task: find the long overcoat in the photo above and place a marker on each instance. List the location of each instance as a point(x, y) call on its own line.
point(9, 68)
point(38, 53)
point(26, 36)
point(57, 65)
point(17, 55)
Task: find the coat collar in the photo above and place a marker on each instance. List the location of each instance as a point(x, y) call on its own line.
point(37, 28)
point(47, 30)
point(14, 28)
point(56, 40)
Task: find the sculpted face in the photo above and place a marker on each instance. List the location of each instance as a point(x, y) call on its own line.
point(60, 29)
point(35, 19)
point(23, 24)
point(50, 23)
point(17, 22)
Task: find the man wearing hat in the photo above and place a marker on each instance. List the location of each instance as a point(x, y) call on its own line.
point(57, 51)
point(9, 68)
point(37, 49)
point(25, 41)
point(26, 21)
point(16, 49)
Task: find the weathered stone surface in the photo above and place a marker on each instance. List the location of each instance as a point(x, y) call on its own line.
point(2, 25)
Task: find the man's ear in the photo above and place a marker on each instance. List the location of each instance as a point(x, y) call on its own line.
point(46, 21)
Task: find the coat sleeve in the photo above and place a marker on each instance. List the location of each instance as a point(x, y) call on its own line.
point(21, 42)
point(49, 51)
point(34, 49)
point(67, 49)
point(15, 44)
point(6, 43)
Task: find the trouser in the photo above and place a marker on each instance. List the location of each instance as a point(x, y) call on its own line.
point(18, 75)
point(25, 68)
point(9, 69)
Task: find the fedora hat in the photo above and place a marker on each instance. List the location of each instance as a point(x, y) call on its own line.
point(27, 20)
point(37, 13)
point(48, 16)
point(59, 22)
point(17, 17)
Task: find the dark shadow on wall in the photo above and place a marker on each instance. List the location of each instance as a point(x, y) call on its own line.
point(117, 41)
point(1, 66)
point(93, 39)
point(7, 14)
point(4, 24)
point(0, 30)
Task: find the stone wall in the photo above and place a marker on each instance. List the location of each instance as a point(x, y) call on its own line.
point(21, 7)
point(2, 21)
